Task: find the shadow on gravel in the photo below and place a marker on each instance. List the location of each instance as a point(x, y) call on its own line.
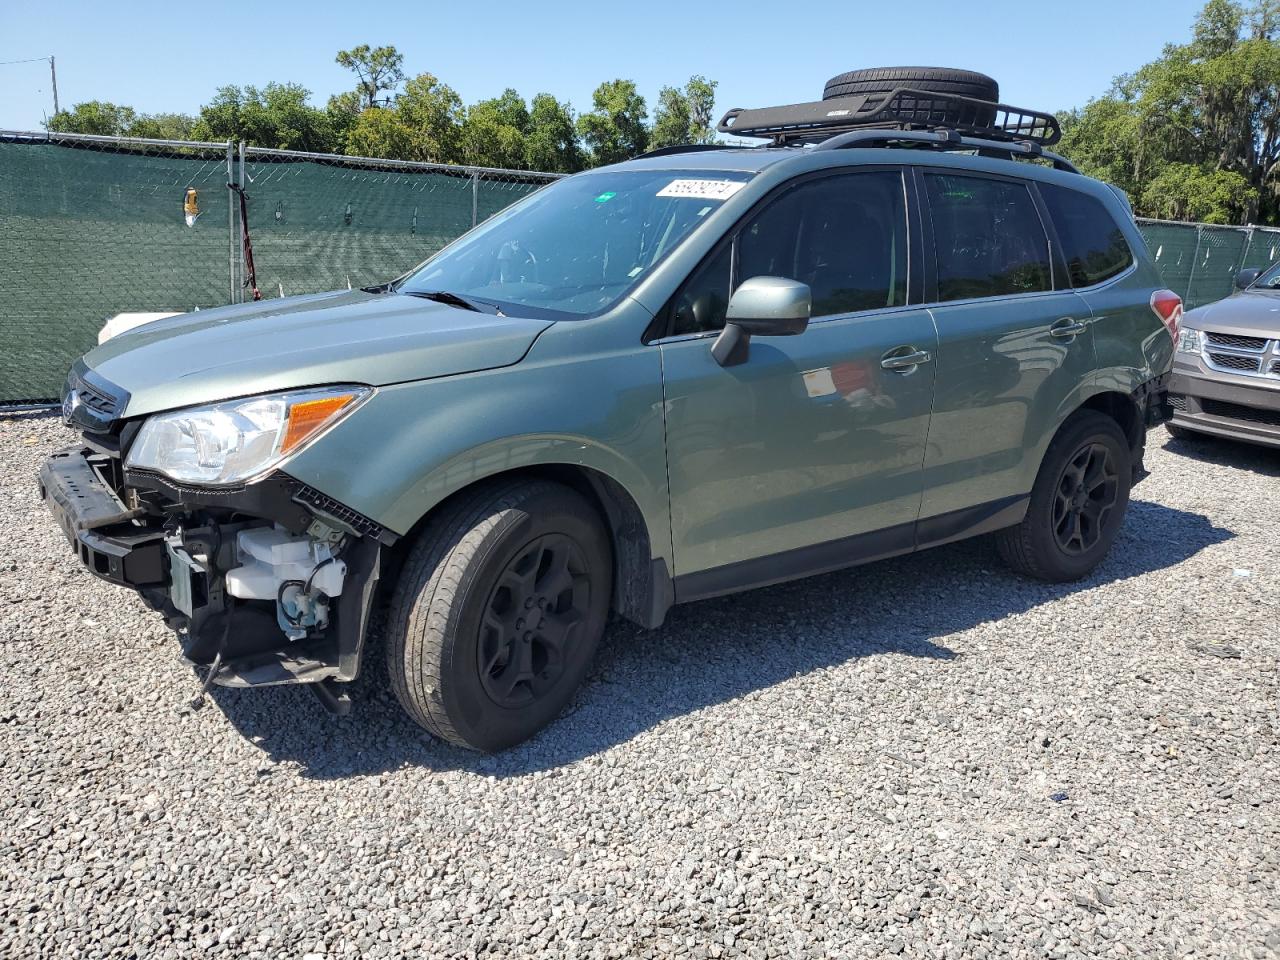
point(717, 650)
point(1222, 452)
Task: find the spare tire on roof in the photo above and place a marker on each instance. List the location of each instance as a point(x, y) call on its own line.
point(962, 83)
point(883, 80)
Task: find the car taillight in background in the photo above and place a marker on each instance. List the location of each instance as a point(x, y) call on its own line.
point(1167, 305)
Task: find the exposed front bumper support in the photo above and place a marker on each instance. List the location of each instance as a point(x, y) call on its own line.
point(177, 560)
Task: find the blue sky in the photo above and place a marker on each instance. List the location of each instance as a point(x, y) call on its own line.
point(171, 57)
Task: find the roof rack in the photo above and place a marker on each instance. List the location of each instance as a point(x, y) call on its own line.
point(948, 139)
point(904, 108)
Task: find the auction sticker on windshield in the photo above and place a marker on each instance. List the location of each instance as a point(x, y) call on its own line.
point(702, 189)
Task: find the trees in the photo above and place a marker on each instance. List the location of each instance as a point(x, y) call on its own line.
point(432, 112)
point(98, 117)
point(494, 131)
point(551, 143)
point(615, 129)
point(276, 115)
point(684, 115)
point(376, 70)
point(108, 119)
point(425, 120)
point(1196, 132)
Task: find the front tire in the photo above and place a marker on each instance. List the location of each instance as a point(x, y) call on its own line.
point(498, 611)
point(1077, 504)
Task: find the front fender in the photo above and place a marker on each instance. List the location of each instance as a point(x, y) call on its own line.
point(412, 445)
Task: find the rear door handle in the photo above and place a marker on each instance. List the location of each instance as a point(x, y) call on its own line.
point(1067, 328)
point(893, 360)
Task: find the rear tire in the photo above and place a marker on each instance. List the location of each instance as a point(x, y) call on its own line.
point(1077, 504)
point(498, 611)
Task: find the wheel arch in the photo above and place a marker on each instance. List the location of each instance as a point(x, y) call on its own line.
point(642, 586)
point(1124, 410)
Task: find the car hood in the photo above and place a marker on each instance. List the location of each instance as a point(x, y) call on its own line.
point(1249, 314)
point(345, 337)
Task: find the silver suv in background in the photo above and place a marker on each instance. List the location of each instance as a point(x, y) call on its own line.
point(1226, 371)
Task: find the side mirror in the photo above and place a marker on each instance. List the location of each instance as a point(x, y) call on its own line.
point(1245, 278)
point(761, 307)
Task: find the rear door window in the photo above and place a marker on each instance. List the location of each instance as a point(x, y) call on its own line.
point(988, 238)
point(1092, 241)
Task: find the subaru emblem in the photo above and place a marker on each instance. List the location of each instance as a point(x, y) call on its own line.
point(69, 404)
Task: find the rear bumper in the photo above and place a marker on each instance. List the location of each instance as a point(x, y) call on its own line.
point(1231, 410)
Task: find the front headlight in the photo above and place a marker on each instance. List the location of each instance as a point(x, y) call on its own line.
point(1188, 340)
point(231, 442)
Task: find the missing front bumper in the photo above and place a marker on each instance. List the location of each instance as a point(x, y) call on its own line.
point(177, 558)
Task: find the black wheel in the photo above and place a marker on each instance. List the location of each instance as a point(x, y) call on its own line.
point(498, 611)
point(1077, 504)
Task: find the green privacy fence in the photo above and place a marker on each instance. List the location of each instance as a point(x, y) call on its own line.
point(1199, 261)
point(95, 226)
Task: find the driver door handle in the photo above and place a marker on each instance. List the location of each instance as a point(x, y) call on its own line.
point(905, 361)
point(1067, 327)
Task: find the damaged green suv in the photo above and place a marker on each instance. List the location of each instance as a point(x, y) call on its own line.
point(693, 373)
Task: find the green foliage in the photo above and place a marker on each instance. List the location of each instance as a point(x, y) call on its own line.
point(379, 132)
point(376, 70)
point(97, 117)
point(163, 126)
point(551, 144)
point(684, 115)
point(1195, 133)
point(276, 115)
point(432, 111)
point(426, 120)
point(1185, 191)
point(494, 131)
point(615, 129)
point(107, 119)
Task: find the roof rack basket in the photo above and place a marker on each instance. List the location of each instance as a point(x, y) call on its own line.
point(904, 108)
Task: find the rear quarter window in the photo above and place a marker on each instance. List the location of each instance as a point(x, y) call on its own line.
point(1092, 241)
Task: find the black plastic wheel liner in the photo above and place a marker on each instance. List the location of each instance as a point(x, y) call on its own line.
point(962, 83)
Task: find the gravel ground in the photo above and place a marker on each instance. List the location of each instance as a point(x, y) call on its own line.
point(922, 758)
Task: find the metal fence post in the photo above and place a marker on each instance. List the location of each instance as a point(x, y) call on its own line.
point(240, 272)
point(1191, 276)
point(475, 198)
point(231, 226)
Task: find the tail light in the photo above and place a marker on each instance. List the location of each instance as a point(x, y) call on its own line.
point(1167, 305)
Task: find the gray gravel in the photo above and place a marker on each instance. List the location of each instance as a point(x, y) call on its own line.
point(922, 758)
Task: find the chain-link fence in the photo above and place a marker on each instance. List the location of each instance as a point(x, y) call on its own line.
point(321, 222)
point(95, 226)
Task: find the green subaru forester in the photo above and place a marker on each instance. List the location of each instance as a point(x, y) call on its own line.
point(697, 372)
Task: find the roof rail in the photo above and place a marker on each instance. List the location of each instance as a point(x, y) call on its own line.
point(685, 148)
point(946, 139)
point(904, 108)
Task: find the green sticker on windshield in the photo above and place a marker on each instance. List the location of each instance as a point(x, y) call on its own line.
point(606, 197)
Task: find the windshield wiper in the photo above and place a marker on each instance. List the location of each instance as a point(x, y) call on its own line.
point(455, 300)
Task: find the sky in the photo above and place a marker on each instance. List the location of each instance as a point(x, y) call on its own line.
point(165, 57)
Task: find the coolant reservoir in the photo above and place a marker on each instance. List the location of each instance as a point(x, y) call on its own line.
point(269, 556)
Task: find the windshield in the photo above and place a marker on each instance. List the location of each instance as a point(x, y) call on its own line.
point(1269, 280)
point(575, 248)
